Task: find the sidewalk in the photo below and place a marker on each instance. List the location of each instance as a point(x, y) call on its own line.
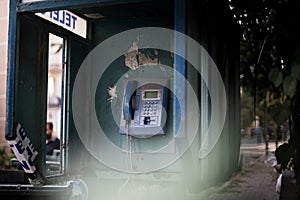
point(256, 180)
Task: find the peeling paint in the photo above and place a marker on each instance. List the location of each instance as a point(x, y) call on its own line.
point(135, 57)
point(148, 58)
point(112, 92)
point(131, 60)
point(162, 68)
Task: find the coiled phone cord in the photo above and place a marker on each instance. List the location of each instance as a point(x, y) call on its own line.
point(128, 146)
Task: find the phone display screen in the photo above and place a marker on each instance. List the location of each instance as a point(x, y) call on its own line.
point(151, 94)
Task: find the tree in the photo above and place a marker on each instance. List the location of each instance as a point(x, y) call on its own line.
point(270, 54)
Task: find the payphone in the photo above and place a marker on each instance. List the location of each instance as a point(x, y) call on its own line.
point(144, 107)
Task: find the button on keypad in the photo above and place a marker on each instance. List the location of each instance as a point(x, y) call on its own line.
point(149, 106)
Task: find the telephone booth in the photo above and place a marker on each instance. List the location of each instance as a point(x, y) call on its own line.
point(143, 96)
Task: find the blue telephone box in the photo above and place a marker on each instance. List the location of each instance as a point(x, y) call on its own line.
point(143, 95)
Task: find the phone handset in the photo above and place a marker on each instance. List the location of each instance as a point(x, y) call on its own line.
point(130, 101)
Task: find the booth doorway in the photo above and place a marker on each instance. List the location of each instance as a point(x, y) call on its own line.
point(56, 103)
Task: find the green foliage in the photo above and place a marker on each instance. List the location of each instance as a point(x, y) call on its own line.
point(270, 53)
point(246, 110)
point(5, 159)
point(290, 86)
point(295, 71)
point(280, 112)
point(275, 76)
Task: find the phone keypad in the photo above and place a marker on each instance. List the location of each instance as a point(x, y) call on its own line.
point(149, 108)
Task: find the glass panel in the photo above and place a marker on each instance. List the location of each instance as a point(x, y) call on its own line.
point(55, 105)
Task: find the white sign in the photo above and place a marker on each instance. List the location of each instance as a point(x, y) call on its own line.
point(67, 20)
point(24, 150)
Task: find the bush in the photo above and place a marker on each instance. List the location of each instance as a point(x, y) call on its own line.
point(5, 159)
